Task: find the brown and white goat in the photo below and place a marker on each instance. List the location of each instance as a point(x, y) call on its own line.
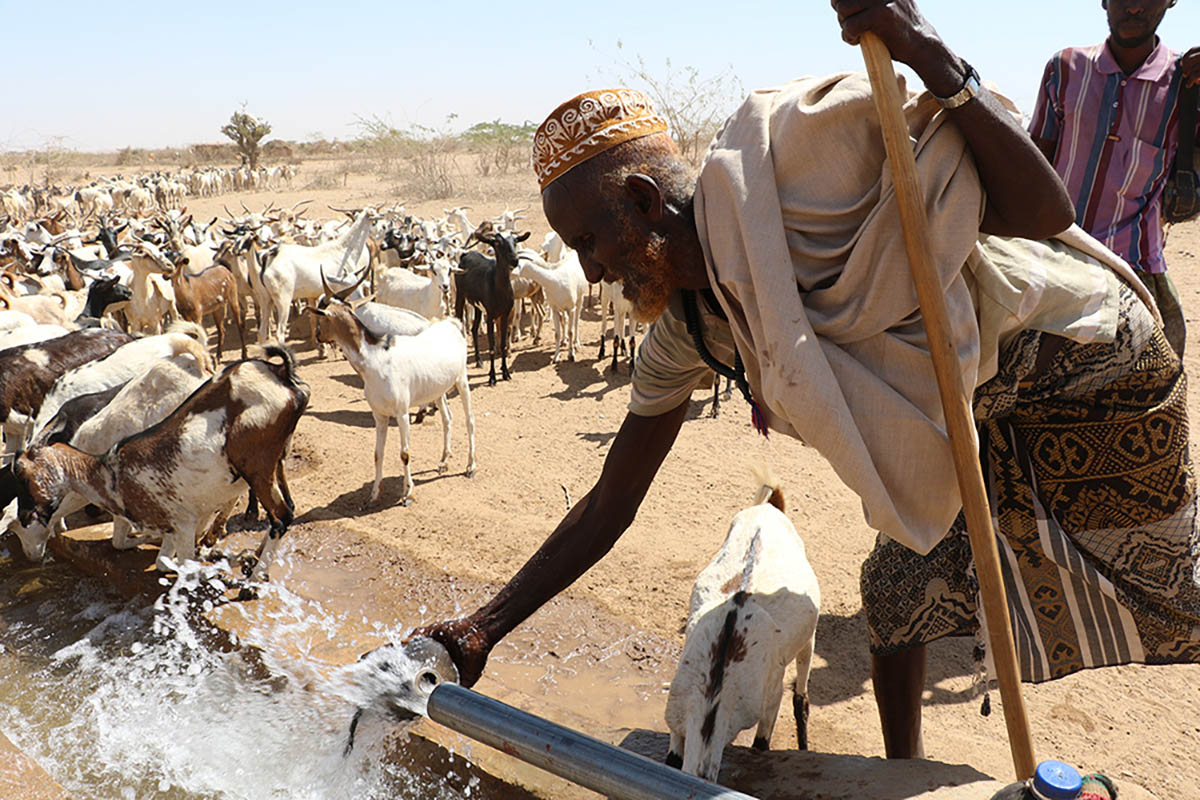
point(231, 433)
point(212, 291)
point(123, 411)
point(754, 608)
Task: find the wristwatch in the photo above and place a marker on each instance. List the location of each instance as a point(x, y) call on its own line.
point(969, 89)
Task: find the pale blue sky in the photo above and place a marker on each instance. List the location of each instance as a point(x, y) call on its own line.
point(107, 75)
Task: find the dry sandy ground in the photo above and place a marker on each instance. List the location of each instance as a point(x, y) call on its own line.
point(543, 436)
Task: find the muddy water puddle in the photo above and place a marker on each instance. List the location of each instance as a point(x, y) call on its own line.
point(126, 698)
point(137, 697)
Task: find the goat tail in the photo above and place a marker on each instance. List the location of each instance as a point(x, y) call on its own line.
point(195, 349)
point(769, 490)
point(189, 329)
point(287, 360)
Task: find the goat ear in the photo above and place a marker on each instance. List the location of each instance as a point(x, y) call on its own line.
point(524, 236)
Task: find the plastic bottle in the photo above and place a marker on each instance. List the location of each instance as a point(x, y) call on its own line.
point(1052, 780)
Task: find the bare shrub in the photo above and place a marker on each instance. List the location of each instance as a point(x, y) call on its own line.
point(694, 105)
point(422, 155)
point(324, 180)
point(55, 157)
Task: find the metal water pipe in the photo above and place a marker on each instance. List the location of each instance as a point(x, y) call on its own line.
point(579, 758)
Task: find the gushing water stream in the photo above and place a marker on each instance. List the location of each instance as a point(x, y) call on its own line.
point(125, 699)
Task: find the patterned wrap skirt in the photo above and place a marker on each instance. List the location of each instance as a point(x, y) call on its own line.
point(1093, 501)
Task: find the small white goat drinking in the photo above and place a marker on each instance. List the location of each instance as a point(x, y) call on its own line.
point(753, 609)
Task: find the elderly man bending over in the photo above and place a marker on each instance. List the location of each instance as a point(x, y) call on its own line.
point(783, 265)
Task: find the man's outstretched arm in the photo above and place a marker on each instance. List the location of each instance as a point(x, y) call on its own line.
point(585, 535)
point(1025, 195)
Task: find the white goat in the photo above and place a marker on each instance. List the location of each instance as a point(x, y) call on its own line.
point(565, 286)
point(382, 318)
point(403, 372)
point(612, 296)
point(11, 320)
point(429, 297)
point(458, 215)
point(295, 274)
point(753, 609)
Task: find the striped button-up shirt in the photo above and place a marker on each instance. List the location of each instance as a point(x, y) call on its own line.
point(1116, 137)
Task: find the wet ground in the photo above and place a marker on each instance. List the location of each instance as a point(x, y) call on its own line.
point(343, 596)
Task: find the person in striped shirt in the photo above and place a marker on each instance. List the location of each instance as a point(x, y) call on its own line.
point(1107, 119)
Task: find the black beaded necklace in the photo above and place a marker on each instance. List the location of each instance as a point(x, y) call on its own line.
point(737, 374)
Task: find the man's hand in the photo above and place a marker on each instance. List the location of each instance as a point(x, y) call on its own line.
point(1025, 196)
point(467, 645)
point(897, 22)
point(1190, 64)
point(909, 38)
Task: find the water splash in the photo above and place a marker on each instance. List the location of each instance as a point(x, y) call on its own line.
point(121, 700)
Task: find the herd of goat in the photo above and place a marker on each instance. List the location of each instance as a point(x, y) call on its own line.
point(111, 395)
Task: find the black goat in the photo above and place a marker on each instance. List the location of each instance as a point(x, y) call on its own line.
point(103, 292)
point(403, 243)
point(106, 235)
point(486, 283)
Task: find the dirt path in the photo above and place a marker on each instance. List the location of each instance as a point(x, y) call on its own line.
point(542, 438)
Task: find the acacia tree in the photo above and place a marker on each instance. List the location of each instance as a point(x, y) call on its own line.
point(499, 145)
point(246, 132)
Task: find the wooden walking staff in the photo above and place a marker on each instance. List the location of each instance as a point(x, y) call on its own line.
point(959, 421)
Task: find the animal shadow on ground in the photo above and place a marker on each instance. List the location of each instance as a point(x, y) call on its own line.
point(345, 416)
point(600, 438)
point(356, 502)
point(350, 379)
point(243, 522)
point(762, 774)
point(530, 360)
point(844, 645)
point(580, 376)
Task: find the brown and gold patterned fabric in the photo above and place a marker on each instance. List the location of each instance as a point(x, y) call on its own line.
point(1093, 500)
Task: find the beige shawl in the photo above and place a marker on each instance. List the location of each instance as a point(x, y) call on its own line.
point(798, 176)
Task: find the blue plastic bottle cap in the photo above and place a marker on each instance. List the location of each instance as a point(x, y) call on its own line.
point(1054, 780)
